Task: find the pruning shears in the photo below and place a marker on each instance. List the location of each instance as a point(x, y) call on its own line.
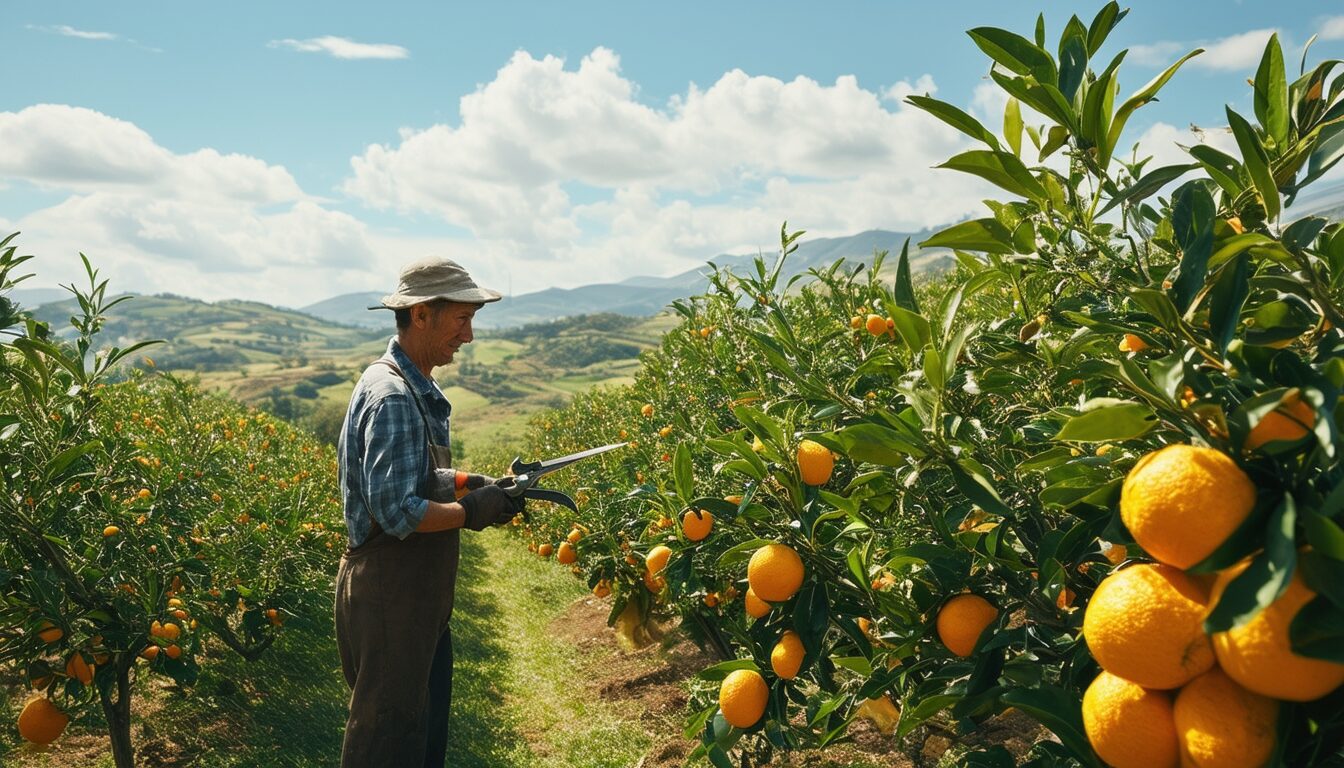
point(524, 476)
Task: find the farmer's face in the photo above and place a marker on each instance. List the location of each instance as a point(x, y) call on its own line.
point(448, 327)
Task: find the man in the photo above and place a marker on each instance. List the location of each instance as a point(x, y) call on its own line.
point(394, 588)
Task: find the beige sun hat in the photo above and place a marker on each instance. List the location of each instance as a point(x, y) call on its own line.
point(434, 278)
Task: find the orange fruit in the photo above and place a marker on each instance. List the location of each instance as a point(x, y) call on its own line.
point(876, 324)
point(653, 582)
point(742, 697)
point(150, 653)
point(41, 722)
point(696, 524)
point(1132, 343)
point(1290, 422)
point(815, 462)
point(657, 559)
point(962, 619)
point(575, 536)
point(545, 549)
point(173, 651)
point(1145, 623)
point(756, 607)
point(79, 669)
point(566, 554)
point(1219, 723)
point(787, 656)
point(883, 714)
point(273, 616)
point(49, 632)
point(170, 631)
point(647, 410)
point(856, 322)
point(1182, 501)
point(602, 588)
point(110, 531)
point(1258, 654)
point(1128, 725)
point(775, 572)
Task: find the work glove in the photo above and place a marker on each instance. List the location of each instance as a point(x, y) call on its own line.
point(443, 484)
point(490, 505)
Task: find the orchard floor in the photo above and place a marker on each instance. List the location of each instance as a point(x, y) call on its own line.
point(539, 681)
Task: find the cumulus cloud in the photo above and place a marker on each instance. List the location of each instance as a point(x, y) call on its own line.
point(203, 223)
point(68, 31)
point(1332, 28)
point(343, 48)
point(1233, 53)
point(554, 165)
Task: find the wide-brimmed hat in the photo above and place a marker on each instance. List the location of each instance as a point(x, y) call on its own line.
point(436, 278)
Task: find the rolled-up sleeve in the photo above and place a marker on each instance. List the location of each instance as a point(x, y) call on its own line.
point(394, 464)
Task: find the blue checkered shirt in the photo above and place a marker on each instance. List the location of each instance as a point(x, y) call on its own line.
point(383, 454)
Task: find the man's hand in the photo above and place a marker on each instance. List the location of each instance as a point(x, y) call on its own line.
point(443, 484)
point(489, 505)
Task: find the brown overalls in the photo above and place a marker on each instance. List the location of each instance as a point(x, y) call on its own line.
point(394, 599)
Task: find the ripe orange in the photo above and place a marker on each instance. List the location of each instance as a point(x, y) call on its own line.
point(1290, 422)
point(110, 531)
point(173, 651)
point(815, 462)
point(756, 607)
point(1219, 723)
point(545, 549)
point(602, 588)
point(876, 324)
point(696, 524)
point(79, 669)
point(49, 632)
point(775, 572)
point(961, 621)
point(742, 697)
point(1145, 624)
point(575, 536)
point(1259, 655)
point(1128, 725)
point(170, 631)
point(856, 322)
point(1182, 501)
point(41, 722)
point(1132, 343)
point(787, 656)
point(647, 410)
point(566, 554)
point(150, 653)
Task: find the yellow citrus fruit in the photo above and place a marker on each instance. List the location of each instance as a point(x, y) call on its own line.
point(79, 669)
point(1132, 343)
point(1145, 623)
point(876, 324)
point(696, 525)
point(1182, 501)
point(1219, 723)
point(1259, 655)
point(546, 549)
point(1291, 422)
point(775, 572)
point(742, 697)
point(884, 715)
point(41, 722)
point(1130, 726)
point(756, 607)
point(815, 462)
point(647, 410)
point(856, 322)
point(657, 559)
point(575, 536)
point(787, 656)
point(962, 619)
point(110, 531)
point(566, 555)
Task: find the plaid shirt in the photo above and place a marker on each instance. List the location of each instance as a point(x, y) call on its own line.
point(383, 453)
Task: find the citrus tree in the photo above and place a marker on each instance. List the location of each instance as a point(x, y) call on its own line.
point(137, 519)
point(1091, 474)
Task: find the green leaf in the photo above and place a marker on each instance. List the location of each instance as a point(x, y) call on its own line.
point(913, 328)
point(812, 615)
point(1072, 62)
point(955, 118)
point(1148, 185)
point(1324, 534)
point(1318, 631)
point(1271, 93)
point(1000, 168)
point(1015, 53)
point(905, 287)
point(1244, 242)
point(1012, 125)
point(979, 490)
point(1255, 158)
point(1226, 299)
point(1109, 421)
point(64, 459)
point(1101, 26)
point(1264, 579)
point(1224, 169)
point(683, 472)
point(1058, 710)
point(1099, 103)
point(1192, 219)
point(986, 235)
point(877, 444)
point(1140, 97)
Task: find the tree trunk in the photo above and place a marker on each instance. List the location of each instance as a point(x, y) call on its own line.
point(118, 712)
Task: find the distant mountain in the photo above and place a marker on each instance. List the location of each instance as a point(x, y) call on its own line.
point(645, 296)
point(30, 298)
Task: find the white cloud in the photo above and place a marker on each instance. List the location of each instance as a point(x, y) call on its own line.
point(343, 48)
point(68, 31)
point(204, 223)
point(552, 167)
point(1332, 28)
point(1239, 52)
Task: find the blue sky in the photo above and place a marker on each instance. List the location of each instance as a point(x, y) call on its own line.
point(291, 151)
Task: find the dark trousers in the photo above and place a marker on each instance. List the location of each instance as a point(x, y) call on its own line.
point(394, 600)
